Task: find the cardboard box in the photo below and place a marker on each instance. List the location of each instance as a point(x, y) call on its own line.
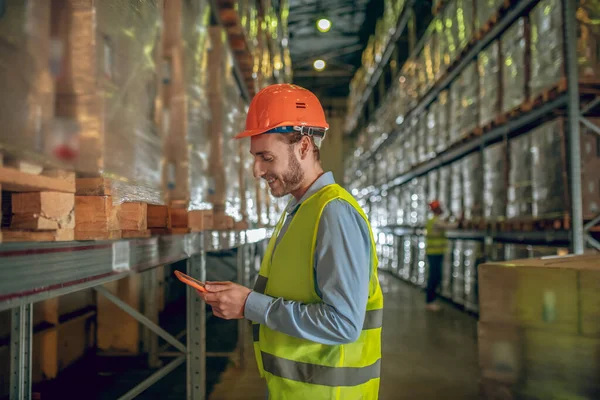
point(540, 293)
point(540, 363)
point(589, 297)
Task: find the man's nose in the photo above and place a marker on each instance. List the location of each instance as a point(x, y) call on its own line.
point(258, 170)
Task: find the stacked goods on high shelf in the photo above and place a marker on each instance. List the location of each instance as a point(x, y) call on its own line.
point(187, 145)
point(373, 53)
point(36, 147)
point(109, 84)
point(521, 69)
point(541, 342)
point(495, 182)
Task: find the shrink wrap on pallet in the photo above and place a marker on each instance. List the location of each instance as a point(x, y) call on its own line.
point(406, 257)
point(426, 73)
point(418, 261)
point(519, 196)
point(441, 58)
point(515, 251)
point(547, 43)
point(456, 199)
point(411, 144)
point(445, 189)
point(472, 257)
point(513, 45)
point(494, 181)
point(548, 185)
point(418, 206)
point(109, 84)
point(442, 109)
point(485, 10)
point(495, 252)
point(472, 174)
point(234, 123)
point(463, 26)
point(29, 59)
point(432, 186)
point(464, 103)
point(432, 131)
point(458, 273)
point(489, 83)
point(450, 45)
point(422, 134)
point(187, 139)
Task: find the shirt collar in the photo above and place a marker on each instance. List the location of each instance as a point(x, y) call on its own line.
point(324, 180)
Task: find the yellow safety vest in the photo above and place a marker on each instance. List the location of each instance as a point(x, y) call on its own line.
point(436, 241)
point(297, 368)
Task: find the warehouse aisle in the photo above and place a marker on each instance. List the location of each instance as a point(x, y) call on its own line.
point(425, 355)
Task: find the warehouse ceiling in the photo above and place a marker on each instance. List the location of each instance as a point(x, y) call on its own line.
point(352, 22)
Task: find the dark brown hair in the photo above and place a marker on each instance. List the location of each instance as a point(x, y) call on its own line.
point(295, 137)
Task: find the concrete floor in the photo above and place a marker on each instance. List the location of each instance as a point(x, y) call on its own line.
point(425, 355)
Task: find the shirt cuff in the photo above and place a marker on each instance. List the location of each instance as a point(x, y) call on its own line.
point(256, 307)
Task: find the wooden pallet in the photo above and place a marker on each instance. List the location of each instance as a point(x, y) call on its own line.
point(37, 203)
point(475, 224)
point(99, 218)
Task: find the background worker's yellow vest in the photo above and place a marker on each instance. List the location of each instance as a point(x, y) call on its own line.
point(435, 238)
point(301, 369)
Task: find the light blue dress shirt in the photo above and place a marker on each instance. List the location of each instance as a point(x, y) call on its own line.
point(342, 269)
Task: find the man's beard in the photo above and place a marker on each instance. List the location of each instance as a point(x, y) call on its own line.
point(291, 179)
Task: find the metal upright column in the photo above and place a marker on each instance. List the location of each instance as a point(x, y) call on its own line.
point(20, 352)
point(196, 331)
point(570, 36)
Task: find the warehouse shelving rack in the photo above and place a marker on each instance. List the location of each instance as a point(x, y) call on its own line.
point(579, 234)
point(31, 272)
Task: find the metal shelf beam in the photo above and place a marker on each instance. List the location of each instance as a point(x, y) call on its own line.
point(31, 272)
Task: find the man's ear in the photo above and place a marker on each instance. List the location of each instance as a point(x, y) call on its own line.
point(305, 147)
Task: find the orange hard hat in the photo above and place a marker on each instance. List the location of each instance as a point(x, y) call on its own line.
point(434, 204)
point(283, 108)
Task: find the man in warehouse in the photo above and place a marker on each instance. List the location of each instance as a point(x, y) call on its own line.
point(436, 244)
point(317, 306)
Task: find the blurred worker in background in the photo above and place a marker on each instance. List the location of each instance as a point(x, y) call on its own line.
point(317, 306)
point(436, 244)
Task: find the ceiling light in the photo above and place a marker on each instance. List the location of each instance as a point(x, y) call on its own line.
point(323, 25)
point(319, 65)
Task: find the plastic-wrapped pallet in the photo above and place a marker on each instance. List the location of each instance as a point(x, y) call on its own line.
point(443, 123)
point(494, 181)
point(456, 200)
point(485, 10)
point(489, 83)
point(411, 82)
point(418, 261)
point(458, 273)
point(446, 285)
point(234, 123)
point(463, 103)
point(432, 186)
point(418, 206)
point(472, 174)
point(426, 73)
point(513, 45)
point(406, 258)
point(381, 166)
point(431, 131)
point(463, 23)
point(401, 155)
point(441, 57)
point(548, 186)
point(450, 33)
point(547, 49)
point(519, 196)
point(445, 189)
point(110, 86)
point(411, 143)
point(422, 134)
point(404, 207)
point(30, 131)
point(590, 157)
point(473, 256)
point(393, 203)
point(397, 254)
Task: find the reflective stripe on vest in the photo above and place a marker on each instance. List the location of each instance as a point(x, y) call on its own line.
point(320, 374)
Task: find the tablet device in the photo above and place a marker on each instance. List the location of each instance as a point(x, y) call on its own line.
point(188, 280)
